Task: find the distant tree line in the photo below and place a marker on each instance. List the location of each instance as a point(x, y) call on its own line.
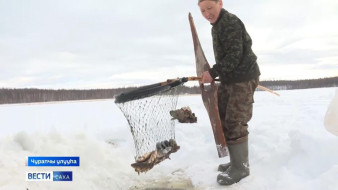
point(28, 95)
point(300, 84)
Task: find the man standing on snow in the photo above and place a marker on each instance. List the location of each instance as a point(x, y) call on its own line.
point(238, 72)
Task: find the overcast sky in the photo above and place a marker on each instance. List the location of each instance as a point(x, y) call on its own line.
point(107, 43)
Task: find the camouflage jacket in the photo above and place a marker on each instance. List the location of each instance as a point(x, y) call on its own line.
point(235, 60)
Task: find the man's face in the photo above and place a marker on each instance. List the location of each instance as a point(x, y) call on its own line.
point(210, 10)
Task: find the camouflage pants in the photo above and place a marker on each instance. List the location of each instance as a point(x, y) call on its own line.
point(235, 102)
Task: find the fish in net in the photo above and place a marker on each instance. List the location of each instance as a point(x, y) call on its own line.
point(147, 110)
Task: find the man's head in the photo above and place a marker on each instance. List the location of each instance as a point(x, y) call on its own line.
point(210, 9)
point(207, 0)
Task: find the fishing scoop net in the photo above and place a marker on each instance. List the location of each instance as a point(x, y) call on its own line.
point(147, 110)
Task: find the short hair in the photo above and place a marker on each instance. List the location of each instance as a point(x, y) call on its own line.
point(207, 0)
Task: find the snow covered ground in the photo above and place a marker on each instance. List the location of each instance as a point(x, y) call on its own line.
point(288, 143)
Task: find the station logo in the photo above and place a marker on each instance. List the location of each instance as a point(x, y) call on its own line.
point(43, 161)
point(50, 176)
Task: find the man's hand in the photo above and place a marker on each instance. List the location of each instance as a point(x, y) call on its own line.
point(206, 77)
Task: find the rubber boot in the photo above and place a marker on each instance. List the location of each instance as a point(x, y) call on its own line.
point(239, 167)
point(223, 167)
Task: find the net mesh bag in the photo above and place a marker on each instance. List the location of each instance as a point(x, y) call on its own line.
point(147, 110)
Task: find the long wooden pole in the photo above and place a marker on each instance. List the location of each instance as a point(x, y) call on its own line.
point(259, 86)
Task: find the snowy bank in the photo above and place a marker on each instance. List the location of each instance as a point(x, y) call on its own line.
point(288, 143)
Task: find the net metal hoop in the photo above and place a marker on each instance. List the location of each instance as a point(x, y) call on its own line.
point(149, 90)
